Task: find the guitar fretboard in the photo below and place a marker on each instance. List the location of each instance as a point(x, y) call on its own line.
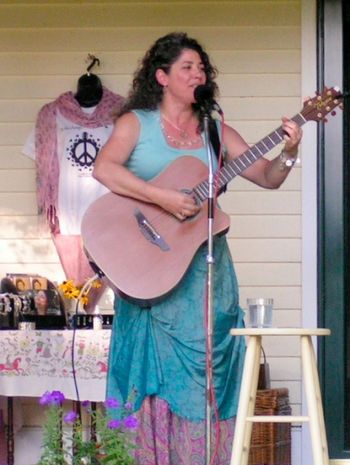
point(235, 167)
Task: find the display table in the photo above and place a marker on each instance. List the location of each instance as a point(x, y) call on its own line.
point(33, 362)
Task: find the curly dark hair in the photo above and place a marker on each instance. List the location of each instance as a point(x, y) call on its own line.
point(146, 93)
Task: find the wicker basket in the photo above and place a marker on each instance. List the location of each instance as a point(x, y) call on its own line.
point(271, 442)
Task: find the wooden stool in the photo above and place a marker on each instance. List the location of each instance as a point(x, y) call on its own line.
point(246, 405)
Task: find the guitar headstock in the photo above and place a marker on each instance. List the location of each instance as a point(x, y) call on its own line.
point(316, 108)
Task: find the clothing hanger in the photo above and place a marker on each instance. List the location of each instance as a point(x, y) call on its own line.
point(89, 88)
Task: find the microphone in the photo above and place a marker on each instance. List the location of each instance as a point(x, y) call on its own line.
point(204, 96)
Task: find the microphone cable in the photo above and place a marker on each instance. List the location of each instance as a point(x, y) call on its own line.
point(85, 289)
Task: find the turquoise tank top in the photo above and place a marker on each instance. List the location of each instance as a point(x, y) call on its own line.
point(152, 153)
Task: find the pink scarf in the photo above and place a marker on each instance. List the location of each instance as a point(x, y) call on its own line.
point(47, 168)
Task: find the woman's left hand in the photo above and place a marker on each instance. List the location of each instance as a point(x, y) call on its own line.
point(292, 135)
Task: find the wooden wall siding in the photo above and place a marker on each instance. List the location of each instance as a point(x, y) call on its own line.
point(256, 47)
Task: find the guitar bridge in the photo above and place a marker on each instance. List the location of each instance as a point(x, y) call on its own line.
point(149, 232)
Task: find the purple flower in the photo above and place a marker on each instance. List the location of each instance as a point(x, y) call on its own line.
point(114, 424)
point(52, 398)
point(57, 398)
point(111, 402)
point(45, 399)
point(70, 417)
point(128, 405)
point(86, 404)
point(131, 422)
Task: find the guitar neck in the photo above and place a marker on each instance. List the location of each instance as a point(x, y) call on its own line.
point(235, 167)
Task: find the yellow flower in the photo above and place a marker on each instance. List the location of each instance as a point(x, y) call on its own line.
point(96, 284)
point(73, 291)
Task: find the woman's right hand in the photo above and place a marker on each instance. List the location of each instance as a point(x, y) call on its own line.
point(179, 204)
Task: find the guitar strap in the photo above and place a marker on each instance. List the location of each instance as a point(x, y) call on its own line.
point(214, 137)
point(216, 143)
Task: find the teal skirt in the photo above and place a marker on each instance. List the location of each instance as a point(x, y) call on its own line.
point(162, 350)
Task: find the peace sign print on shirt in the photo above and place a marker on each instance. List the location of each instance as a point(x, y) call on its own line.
point(82, 151)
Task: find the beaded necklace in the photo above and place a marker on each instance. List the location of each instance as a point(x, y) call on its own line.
point(184, 140)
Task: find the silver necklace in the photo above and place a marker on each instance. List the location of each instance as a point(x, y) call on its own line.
point(184, 136)
point(183, 133)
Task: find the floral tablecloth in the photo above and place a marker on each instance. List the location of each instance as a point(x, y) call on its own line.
point(32, 362)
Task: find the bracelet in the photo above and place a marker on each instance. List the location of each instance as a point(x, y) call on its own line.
point(287, 162)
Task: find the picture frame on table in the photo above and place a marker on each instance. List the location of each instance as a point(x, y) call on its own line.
point(46, 305)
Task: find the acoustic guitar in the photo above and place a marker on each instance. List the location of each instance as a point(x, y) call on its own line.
point(144, 251)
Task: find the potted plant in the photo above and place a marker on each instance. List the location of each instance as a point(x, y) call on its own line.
point(114, 425)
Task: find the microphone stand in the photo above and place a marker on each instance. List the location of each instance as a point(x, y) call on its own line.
point(209, 288)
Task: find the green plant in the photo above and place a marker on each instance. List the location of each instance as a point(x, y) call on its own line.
point(114, 426)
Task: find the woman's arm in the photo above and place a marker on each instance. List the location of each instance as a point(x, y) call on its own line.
point(109, 165)
point(110, 170)
point(266, 173)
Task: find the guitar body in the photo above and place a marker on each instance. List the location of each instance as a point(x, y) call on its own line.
point(134, 266)
point(143, 250)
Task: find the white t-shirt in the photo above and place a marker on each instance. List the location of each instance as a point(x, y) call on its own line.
point(77, 148)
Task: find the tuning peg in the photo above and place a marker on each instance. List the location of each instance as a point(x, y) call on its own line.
point(333, 113)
